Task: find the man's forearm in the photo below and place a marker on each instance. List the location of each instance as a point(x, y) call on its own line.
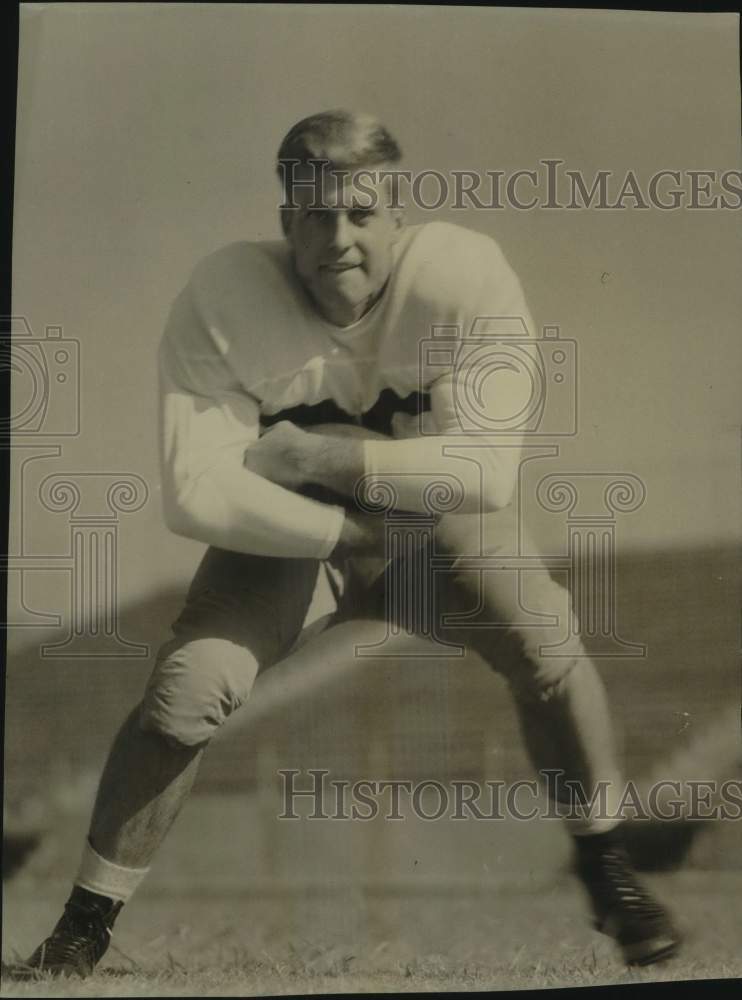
point(337, 463)
point(484, 475)
point(231, 508)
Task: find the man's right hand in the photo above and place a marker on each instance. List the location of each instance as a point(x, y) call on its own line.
point(361, 534)
point(360, 550)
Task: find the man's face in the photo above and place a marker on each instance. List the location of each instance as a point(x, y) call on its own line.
point(342, 235)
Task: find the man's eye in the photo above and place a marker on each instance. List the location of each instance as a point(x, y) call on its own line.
point(317, 214)
point(359, 216)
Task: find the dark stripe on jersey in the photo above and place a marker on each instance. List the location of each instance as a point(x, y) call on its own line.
point(378, 418)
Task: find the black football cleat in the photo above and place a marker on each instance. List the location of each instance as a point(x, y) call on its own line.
point(623, 908)
point(661, 845)
point(78, 942)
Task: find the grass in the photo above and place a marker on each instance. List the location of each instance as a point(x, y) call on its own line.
point(184, 945)
point(240, 904)
point(268, 980)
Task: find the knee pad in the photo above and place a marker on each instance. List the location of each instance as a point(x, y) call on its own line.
point(195, 686)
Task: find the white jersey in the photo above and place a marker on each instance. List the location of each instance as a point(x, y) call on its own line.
point(245, 346)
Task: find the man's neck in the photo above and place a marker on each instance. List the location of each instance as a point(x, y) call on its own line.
point(347, 316)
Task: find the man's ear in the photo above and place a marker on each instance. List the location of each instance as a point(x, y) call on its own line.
point(286, 215)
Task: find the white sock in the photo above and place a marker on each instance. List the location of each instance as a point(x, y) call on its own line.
point(587, 827)
point(582, 821)
point(106, 878)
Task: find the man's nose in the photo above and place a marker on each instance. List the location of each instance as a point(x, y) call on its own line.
point(340, 232)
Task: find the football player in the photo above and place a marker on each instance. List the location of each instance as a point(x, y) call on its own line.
point(267, 342)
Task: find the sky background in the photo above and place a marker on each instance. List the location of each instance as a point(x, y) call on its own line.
point(146, 139)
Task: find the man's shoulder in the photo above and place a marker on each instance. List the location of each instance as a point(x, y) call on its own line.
point(448, 242)
point(223, 293)
point(240, 263)
point(446, 258)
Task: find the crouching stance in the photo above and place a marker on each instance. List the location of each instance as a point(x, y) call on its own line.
point(267, 343)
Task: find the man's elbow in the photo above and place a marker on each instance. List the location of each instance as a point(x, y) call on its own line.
point(476, 497)
point(497, 494)
point(176, 521)
point(180, 517)
point(495, 499)
point(488, 479)
point(500, 478)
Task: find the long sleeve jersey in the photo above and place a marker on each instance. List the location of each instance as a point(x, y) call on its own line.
point(431, 363)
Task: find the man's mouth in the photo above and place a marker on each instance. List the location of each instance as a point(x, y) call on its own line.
point(338, 267)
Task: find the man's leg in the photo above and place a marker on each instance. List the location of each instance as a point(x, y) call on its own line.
point(145, 782)
point(242, 614)
point(563, 713)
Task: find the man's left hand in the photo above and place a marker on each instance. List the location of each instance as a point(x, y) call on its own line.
point(280, 455)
